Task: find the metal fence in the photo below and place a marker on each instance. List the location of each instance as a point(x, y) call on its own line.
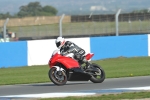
point(128, 23)
point(86, 26)
point(111, 17)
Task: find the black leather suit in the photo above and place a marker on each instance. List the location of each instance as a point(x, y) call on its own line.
point(70, 47)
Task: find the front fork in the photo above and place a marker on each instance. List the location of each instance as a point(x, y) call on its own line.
point(60, 71)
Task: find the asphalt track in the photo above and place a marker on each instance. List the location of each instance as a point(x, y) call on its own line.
point(75, 87)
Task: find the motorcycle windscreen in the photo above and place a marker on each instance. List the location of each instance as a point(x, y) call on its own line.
point(69, 63)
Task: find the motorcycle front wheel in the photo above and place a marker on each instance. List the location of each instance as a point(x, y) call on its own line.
point(99, 75)
point(57, 77)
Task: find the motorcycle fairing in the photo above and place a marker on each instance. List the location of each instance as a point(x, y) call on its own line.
point(66, 61)
point(69, 62)
point(89, 56)
point(77, 74)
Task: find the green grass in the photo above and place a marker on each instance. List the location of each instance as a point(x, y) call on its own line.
point(124, 67)
point(116, 67)
point(131, 96)
point(23, 75)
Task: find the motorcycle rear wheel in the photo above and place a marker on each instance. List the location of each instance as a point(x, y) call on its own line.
point(56, 78)
point(95, 77)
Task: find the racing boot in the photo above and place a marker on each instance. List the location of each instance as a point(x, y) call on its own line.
point(87, 63)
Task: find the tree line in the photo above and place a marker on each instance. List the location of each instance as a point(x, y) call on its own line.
point(31, 9)
point(141, 11)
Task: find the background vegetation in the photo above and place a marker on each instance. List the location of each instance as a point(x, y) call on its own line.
point(31, 9)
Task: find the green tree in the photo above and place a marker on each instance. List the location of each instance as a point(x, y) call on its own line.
point(35, 9)
point(50, 9)
point(23, 11)
point(4, 16)
point(141, 11)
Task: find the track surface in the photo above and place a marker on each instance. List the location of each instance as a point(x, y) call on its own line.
point(74, 86)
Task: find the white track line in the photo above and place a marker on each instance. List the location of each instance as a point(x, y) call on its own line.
point(136, 88)
point(53, 95)
point(47, 95)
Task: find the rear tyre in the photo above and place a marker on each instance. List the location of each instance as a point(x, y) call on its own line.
point(57, 77)
point(97, 77)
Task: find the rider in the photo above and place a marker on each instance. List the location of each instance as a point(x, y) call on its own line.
point(67, 47)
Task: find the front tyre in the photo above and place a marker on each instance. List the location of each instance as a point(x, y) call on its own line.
point(57, 77)
point(99, 75)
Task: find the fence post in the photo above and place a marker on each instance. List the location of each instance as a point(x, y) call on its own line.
point(60, 25)
point(117, 24)
point(4, 29)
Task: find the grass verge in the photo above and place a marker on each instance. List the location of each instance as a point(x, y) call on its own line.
point(114, 68)
point(122, 96)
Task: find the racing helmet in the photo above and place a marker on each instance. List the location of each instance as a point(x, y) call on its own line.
point(60, 41)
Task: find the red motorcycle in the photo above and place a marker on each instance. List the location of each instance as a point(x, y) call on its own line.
point(65, 68)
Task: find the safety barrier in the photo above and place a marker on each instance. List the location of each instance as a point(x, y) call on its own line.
point(38, 52)
point(13, 54)
point(116, 46)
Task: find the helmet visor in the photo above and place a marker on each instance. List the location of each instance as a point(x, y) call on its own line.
point(58, 44)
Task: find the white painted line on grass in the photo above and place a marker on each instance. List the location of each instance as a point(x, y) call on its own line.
point(47, 95)
point(79, 93)
point(136, 88)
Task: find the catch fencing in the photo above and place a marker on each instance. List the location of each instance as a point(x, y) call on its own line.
point(81, 25)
